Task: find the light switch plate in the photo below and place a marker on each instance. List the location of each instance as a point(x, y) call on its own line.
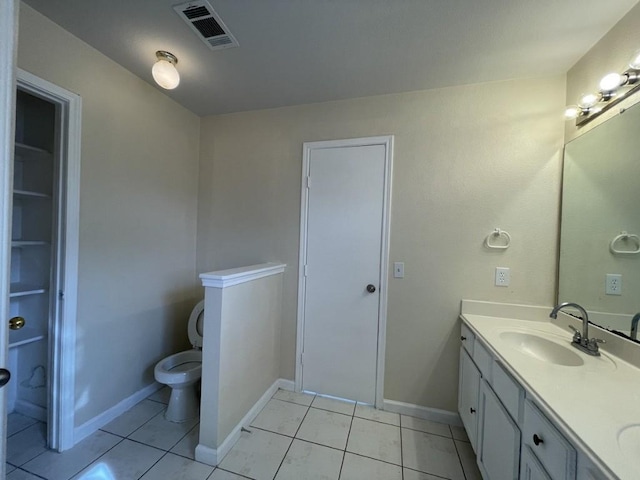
point(398, 269)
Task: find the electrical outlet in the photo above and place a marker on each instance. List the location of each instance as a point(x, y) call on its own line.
point(613, 284)
point(503, 276)
point(398, 269)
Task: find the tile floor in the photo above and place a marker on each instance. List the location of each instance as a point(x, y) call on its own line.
point(296, 436)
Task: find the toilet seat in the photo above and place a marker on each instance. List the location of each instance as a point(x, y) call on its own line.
point(196, 325)
point(179, 368)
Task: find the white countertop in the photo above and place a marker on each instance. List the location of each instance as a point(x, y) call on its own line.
point(593, 402)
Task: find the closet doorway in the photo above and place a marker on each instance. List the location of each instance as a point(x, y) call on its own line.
point(43, 265)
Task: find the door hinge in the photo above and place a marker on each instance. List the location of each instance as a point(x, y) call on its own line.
point(302, 359)
point(308, 181)
point(60, 294)
point(306, 270)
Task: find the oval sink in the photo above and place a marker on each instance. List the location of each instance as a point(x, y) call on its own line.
point(629, 441)
point(542, 349)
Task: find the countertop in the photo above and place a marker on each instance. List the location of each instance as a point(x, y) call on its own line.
point(592, 403)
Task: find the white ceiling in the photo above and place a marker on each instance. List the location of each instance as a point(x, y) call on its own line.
point(304, 51)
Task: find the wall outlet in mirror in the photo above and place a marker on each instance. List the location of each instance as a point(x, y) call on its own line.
point(613, 284)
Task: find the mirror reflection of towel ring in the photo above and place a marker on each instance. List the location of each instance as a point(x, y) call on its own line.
point(624, 236)
point(497, 233)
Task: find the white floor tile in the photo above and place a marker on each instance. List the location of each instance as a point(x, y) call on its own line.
point(375, 440)
point(468, 459)
point(161, 395)
point(27, 444)
point(459, 433)
point(187, 446)
point(61, 466)
point(327, 428)
point(430, 453)
point(413, 475)
point(356, 467)
point(126, 460)
point(294, 397)
point(370, 413)
point(280, 417)
point(177, 468)
point(161, 433)
point(21, 475)
point(222, 475)
point(311, 462)
point(17, 422)
point(134, 418)
point(257, 455)
point(425, 426)
point(334, 405)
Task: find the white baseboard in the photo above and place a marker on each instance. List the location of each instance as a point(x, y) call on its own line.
point(31, 410)
point(432, 414)
point(213, 456)
point(99, 421)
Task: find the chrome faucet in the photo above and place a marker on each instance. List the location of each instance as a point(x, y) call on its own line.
point(634, 326)
point(581, 340)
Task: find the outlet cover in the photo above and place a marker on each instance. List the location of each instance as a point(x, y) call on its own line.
point(503, 276)
point(613, 284)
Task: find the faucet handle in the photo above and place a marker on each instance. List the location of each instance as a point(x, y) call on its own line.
point(592, 344)
point(577, 336)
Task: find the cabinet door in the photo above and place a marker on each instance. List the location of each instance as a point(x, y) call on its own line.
point(499, 438)
point(468, 389)
point(531, 467)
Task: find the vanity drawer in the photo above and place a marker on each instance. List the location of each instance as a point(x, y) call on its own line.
point(547, 444)
point(467, 338)
point(482, 359)
point(508, 390)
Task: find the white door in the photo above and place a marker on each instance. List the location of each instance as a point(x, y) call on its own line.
point(8, 37)
point(345, 250)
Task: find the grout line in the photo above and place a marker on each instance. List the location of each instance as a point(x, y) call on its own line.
point(28, 472)
point(426, 473)
point(97, 458)
point(459, 459)
point(401, 453)
point(154, 464)
point(429, 433)
point(344, 455)
point(228, 471)
point(292, 439)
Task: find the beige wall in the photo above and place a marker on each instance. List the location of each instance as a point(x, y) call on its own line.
point(467, 159)
point(137, 277)
point(611, 54)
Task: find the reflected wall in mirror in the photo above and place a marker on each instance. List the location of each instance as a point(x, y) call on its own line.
point(601, 199)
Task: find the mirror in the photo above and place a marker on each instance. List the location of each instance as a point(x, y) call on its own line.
point(599, 263)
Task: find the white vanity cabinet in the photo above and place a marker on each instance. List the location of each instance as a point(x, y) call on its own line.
point(510, 435)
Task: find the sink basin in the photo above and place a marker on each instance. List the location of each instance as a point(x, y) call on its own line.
point(629, 441)
point(543, 349)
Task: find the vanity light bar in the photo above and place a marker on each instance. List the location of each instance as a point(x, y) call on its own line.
point(614, 87)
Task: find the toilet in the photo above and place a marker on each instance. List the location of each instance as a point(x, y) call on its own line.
point(182, 370)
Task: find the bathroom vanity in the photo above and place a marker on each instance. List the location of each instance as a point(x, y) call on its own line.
point(535, 407)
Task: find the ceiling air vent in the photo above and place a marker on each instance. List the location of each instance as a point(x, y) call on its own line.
point(207, 24)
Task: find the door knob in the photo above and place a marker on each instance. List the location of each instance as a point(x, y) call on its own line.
point(5, 375)
point(371, 288)
point(16, 323)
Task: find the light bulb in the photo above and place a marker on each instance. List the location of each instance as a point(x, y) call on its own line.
point(588, 100)
point(164, 71)
point(610, 82)
point(571, 112)
point(635, 61)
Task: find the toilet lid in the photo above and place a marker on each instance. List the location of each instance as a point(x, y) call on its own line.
point(196, 324)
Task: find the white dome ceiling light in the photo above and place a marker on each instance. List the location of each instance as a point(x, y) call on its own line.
point(164, 70)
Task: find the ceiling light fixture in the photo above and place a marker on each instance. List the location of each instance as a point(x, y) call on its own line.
point(164, 70)
point(614, 87)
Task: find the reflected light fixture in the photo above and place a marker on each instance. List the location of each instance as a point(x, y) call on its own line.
point(612, 89)
point(164, 70)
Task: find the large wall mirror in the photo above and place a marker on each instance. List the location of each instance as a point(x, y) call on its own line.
point(600, 233)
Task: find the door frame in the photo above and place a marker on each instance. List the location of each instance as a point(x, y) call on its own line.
point(8, 54)
point(62, 328)
point(308, 147)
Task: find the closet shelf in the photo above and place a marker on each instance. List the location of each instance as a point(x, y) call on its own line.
point(30, 194)
point(23, 150)
point(28, 243)
point(24, 289)
point(25, 335)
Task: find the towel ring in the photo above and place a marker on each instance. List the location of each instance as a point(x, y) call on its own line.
point(624, 236)
point(497, 233)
